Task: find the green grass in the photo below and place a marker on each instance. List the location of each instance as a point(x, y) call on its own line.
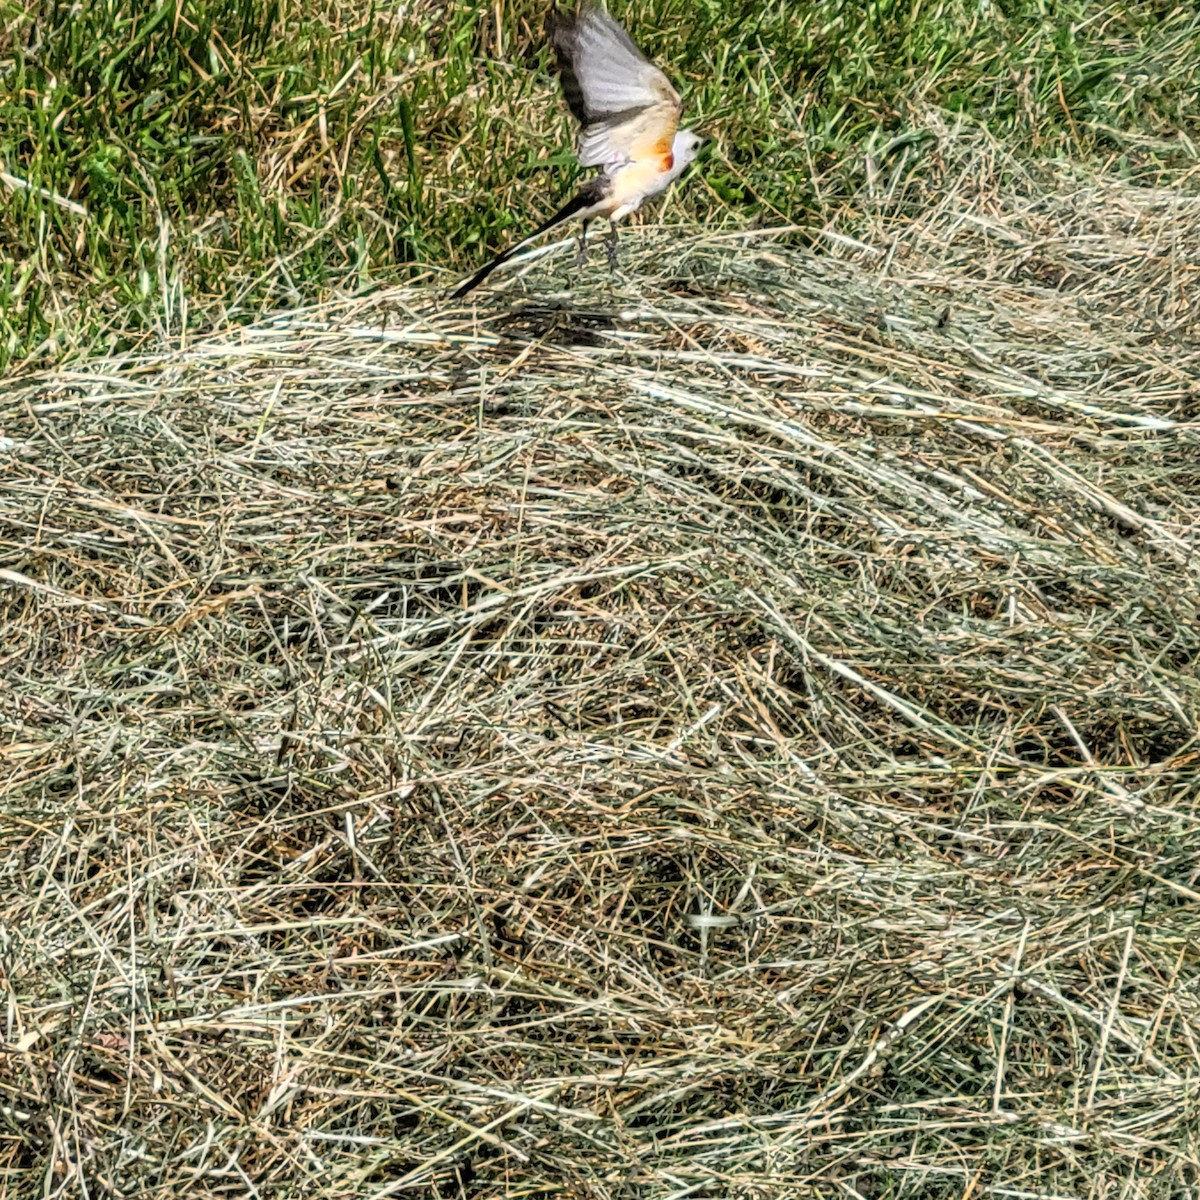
point(232, 155)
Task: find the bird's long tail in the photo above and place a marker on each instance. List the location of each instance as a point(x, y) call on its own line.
point(587, 198)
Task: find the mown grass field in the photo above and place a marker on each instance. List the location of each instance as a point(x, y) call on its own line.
point(731, 729)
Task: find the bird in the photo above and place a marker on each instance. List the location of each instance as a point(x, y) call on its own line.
point(628, 116)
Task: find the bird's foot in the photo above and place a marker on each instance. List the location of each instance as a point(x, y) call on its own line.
point(612, 246)
point(581, 250)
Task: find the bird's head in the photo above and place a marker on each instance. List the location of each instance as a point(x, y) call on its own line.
point(685, 147)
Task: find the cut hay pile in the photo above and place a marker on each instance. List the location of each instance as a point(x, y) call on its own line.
point(730, 732)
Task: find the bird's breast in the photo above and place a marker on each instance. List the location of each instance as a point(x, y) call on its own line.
point(633, 182)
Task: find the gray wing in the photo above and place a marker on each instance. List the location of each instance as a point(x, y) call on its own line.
point(626, 107)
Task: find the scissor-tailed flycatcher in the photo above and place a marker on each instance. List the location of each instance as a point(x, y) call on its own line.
point(628, 114)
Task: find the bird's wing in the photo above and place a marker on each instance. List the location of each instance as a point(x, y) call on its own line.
point(626, 106)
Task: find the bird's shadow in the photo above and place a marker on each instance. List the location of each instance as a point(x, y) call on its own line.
point(561, 324)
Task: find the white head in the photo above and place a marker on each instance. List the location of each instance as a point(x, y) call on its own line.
point(685, 148)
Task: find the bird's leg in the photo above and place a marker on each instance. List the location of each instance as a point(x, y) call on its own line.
point(581, 253)
point(610, 244)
